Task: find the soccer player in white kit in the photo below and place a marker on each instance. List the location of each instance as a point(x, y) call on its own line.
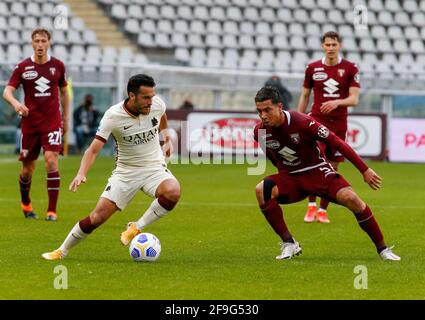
point(135, 124)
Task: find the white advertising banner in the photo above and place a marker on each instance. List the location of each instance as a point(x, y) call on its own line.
point(232, 133)
point(221, 133)
point(365, 134)
point(407, 140)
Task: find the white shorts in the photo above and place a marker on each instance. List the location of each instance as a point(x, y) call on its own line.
point(123, 185)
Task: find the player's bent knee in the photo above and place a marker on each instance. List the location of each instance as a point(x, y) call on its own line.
point(349, 199)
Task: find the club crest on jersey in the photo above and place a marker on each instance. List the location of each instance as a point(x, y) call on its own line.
point(319, 76)
point(341, 72)
point(273, 144)
point(323, 132)
point(295, 137)
point(52, 71)
point(154, 121)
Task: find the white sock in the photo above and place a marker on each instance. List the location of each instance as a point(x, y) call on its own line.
point(312, 204)
point(72, 239)
point(322, 210)
point(154, 212)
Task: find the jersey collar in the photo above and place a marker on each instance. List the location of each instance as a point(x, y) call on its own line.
point(288, 116)
point(131, 114)
point(33, 58)
point(324, 60)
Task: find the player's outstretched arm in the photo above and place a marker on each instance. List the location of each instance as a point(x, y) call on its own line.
point(372, 179)
point(86, 162)
point(64, 98)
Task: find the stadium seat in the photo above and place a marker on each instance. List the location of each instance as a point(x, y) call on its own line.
point(230, 27)
point(284, 15)
point(280, 42)
point(230, 41)
point(134, 11)
point(182, 55)
point(411, 32)
point(162, 40)
point(402, 19)
point(46, 22)
point(152, 12)
point(392, 5)
point(181, 26)
point(145, 40)
point(376, 6)
point(313, 42)
point(15, 22)
point(246, 41)
point(367, 45)
point(418, 18)
point(184, 12)
point(179, 40)
point(279, 28)
point(267, 14)
point(247, 27)
point(195, 40)
point(165, 26)
point(400, 46)
point(296, 29)
point(297, 42)
point(118, 11)
point(33, 9)
point(384, 45)
point(417, 46)
point(217, 13)
point(201, 13)
point(132, 26)
point(318, 16)
point(213, 41)
point(262, 28)
point(325, 4)
point(17, 9)
point(292, 4)
point(30, 22)
point(336, 16)
point(410, 6)
point(13, 37)
point(197, 26)
point(167, 12)
point(214, 27)
point(302, 16)
point(148, 25)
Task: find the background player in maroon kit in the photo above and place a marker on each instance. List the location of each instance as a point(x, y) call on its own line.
point(335, 83)
point(290, 139)
point(42, 78)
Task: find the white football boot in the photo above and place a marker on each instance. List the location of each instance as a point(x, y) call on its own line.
point(388, 254)
point(289, 250)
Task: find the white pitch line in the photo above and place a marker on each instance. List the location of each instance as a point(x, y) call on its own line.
point(214, 204)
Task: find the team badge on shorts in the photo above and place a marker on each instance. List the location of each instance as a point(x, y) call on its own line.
point(323, 132)
point(295, 137)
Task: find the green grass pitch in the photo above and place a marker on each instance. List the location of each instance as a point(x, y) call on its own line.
point(215, 244)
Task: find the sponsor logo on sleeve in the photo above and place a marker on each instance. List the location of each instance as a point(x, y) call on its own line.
point(357, 77)
point(272, 144)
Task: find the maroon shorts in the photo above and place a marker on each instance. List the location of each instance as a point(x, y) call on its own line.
point(31, 144)
point(323, 181)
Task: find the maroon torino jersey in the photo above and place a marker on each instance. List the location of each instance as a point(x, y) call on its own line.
point(41, 84)
point(331, 83)
point(292, 147)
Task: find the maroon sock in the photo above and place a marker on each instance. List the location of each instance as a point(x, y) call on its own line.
point(53, 184)
point(86, 225)
point(24, 187)
point(324, 204)
point(311, 198)
point(274, 215)
point(369, 225)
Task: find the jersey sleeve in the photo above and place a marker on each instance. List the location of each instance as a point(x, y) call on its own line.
point(105, 127)
point(354, 77)
point(62, 80)
point(15, 78)
point(308, 78)
point(318, 131)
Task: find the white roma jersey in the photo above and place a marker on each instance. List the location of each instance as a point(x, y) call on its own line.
point(137, 138)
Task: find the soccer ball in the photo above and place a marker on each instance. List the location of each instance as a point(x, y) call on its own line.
point(145, 247)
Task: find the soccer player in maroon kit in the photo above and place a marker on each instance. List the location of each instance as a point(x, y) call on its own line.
point(42, 78)
point(290, 142)
point(335, 83)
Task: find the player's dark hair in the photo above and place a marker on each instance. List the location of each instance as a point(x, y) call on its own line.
point(331, 34)
point(268, 93)
point(138, 80)
point(41, 31)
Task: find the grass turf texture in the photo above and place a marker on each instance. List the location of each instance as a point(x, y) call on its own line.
point(215, 244)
